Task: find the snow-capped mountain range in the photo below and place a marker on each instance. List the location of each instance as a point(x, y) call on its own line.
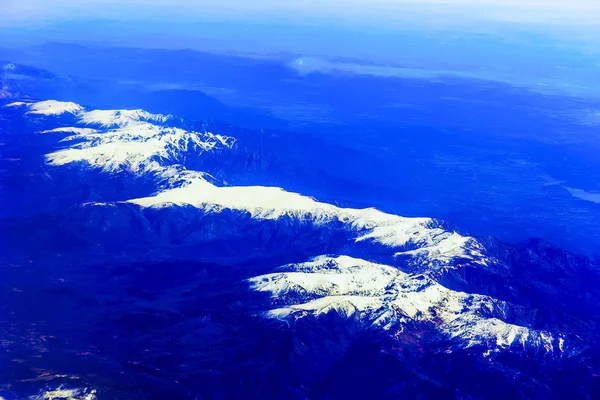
point(416, 281)
point(383, 295)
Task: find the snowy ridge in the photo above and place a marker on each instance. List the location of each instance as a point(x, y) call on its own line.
point(72, 129)
point(370, 224)
point(142, 143)
point(105, 118)
point(121, 118)
point(66, 393)
point(387, 298)
point(131, 140)
point(52, 107)
point(59, 392)
point(139, 147)
point(379, 295)
point(16, 104)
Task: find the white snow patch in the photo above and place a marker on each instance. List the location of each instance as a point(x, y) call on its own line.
point(72, 129)
point(110, 156)
point(16, 104)
point(139, 147)
point(449, 246)
point(63, 393)
point(53, 107)
point(384, 297)
point(476, 331)
point(121, 118)
point(340, 276)
point(269, 203)
point(345, 305)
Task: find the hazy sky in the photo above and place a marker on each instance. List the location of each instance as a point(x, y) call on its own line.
point(437, 34)
point(555, 12)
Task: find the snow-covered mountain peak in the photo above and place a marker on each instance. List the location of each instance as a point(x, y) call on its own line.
point(370, 225)
point(121, 118)
point(136, 147)
point(386, 298)
point(142, 143)
point(102, 118)
point(116, 140)
point(49, 107)
point(412, 279)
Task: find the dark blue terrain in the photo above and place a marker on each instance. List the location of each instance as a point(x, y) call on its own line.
point(122, 302)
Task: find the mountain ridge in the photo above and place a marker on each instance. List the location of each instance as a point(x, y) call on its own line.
point(418, 286)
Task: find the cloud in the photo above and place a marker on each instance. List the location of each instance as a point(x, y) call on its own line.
point(308, 65)
point(584, 195)
point(455, 65)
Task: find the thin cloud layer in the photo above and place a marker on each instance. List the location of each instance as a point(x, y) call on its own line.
point(557, 12)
